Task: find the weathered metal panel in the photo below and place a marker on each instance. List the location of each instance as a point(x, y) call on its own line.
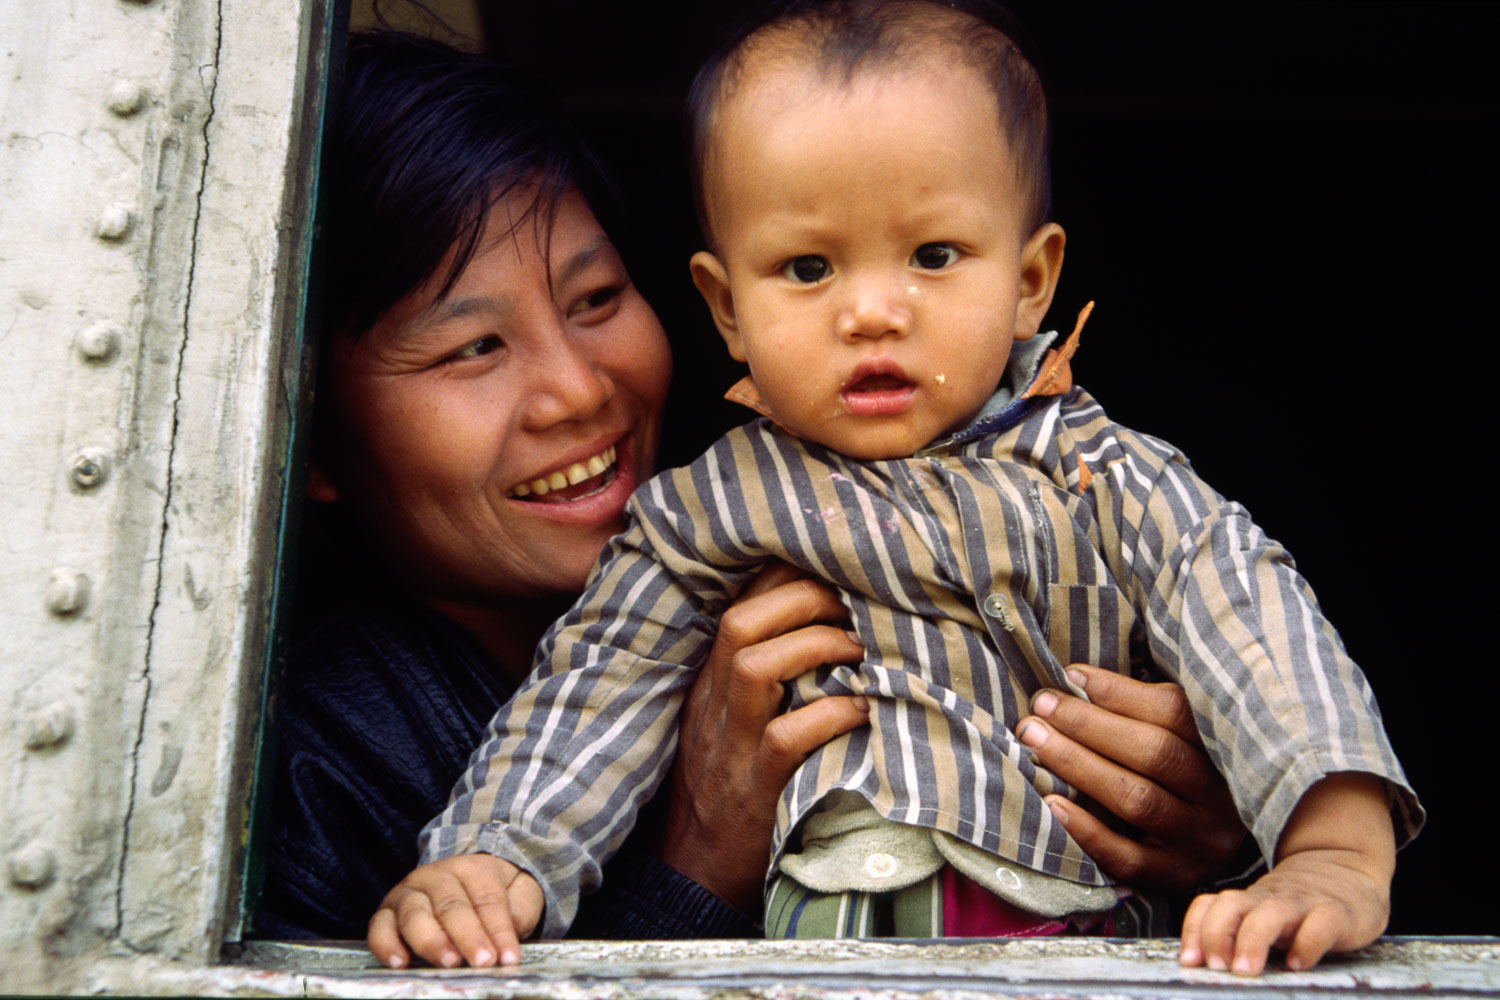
point(144, 196)
point(848, 970)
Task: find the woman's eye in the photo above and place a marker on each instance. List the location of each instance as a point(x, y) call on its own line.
point(477, 349)
point(596, 299)
point(809, 269)
point(934, 256)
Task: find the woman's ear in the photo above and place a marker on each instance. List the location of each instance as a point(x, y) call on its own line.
point(713, 284)
point(320, 487)
point(1041, 264)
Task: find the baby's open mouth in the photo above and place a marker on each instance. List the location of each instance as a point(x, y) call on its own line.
point(579, 480)
point(877, 383)
point(878, 393)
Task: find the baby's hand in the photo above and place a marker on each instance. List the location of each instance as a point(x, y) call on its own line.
point(473, 907)
point(1313, 902)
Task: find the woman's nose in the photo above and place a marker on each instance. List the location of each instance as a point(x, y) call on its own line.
point(568, 383)
point(877, 306)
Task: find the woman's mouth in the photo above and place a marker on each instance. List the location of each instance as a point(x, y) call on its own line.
point(878, 394)
point(572, 482)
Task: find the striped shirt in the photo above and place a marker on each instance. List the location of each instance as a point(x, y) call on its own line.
point(1040, 535)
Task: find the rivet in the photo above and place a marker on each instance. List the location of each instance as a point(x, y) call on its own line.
point(67, 591)
point(125, 98)
point(32, 866)
point(98, 342)
point(90, 468)
point(49, 726)
point(114, 223)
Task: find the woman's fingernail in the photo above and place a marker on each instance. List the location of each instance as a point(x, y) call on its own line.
point(1242, 965)
point(862, 703)
point(509, 957)
point(1058, 813)
point(396, 962)
point(1044, 703)
point(1078, 677)
point(1189, 956)
point(449, 959)
point(854, 636)
point(483, 957)
point(1217, 964)
point(1033, 734)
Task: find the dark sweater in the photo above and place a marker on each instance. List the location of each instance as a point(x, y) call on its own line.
point(378, 711)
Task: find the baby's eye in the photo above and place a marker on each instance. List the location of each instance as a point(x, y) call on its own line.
point(934, 256)
point(809, 269)
point(478, 349)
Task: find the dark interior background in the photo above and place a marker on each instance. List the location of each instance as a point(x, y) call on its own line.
point(1285, 213)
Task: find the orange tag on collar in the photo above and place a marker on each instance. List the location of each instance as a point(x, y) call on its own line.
point(1055, 376)
point(745, 393)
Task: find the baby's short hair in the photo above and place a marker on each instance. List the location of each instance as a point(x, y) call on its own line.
point(841, 37)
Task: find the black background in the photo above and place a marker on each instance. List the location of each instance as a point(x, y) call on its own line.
point(1284, 212)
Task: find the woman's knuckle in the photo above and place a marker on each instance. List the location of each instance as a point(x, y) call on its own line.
point(779, 741)
point(733, 626)
point(1140, 801)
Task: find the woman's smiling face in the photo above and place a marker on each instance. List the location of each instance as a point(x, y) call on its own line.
point(487, 440)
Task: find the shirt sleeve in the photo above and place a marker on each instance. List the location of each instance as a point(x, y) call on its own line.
point(561, 773)
point(1278, 701)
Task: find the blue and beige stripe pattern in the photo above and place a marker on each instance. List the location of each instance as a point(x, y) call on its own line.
point(974, 572)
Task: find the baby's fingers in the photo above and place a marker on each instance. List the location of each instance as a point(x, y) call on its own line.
point(419, 926)
point(493, 913)
point(384, 940)
point(1318, 934)
point(1270, 922)
point(1211, 926)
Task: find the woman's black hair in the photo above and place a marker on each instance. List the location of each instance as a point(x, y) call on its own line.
point(424, 140)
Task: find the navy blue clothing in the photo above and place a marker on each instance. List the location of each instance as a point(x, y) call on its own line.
point(379, 709)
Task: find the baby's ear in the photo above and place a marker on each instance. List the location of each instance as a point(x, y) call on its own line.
point(712, 280)
point(1041, 264)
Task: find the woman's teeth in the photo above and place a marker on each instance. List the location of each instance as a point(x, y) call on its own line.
point(574, 474)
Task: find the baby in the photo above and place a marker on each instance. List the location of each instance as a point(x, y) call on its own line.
point(872, 180)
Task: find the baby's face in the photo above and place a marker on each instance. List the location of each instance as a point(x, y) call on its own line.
point(873, 239)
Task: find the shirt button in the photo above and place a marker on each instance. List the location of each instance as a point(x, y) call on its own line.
point(880, 865)
point(994, 606)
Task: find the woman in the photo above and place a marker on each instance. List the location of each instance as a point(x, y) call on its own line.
point(491, 392)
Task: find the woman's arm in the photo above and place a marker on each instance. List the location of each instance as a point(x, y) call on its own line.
point(737, 751)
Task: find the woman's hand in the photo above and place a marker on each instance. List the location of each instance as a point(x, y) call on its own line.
point(1134, 750)
point(737, 752)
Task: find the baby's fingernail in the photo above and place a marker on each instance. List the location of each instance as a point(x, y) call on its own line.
point(509, 957)
point(862, 703)
point(1044, 703)
point(1058, 813)
point(1033, 734)
point(483, 956)
point(855, 636)
point(1217, 964)
point(449, 959)
point(1078, 677)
